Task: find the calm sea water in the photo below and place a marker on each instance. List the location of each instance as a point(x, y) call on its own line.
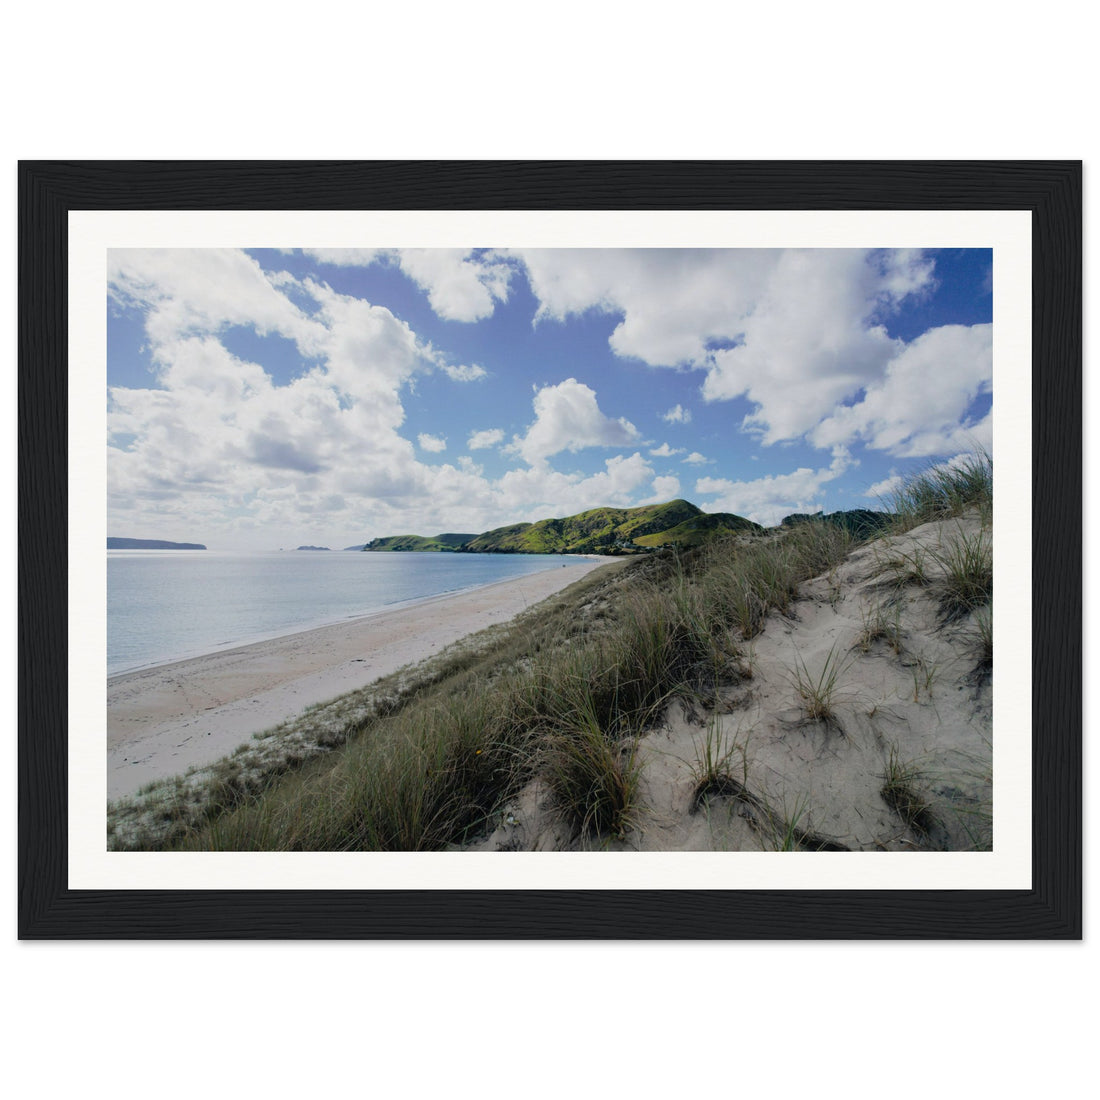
point(163, 605)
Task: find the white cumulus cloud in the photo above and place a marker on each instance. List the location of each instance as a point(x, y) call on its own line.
point(664, 488)
point(568, 418)
point(677, 415)
point(665, 451)
point(461, 284)
point(918, 406)
point(464, 373)
point(797, 332)
point(480, 441)
point(432, 443)
point(767, 500)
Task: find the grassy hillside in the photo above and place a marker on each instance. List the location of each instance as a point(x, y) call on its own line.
point(697, 530)
point(597, 531)
point(436, 543)
point(600, 530)
point(861, 522)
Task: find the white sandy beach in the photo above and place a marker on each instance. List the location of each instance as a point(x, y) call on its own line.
point(163, 720)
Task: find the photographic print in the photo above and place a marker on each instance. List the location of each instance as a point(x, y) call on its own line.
point(602, 550)
point(457, 550)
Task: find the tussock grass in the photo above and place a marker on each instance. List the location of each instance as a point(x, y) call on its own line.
point(983, 636)
point(901, 792)
point(715, 762)
point(818, 692)
point(593, 774)
point(944, 491)
point(967, 580)
point(924, 675)
point(880, 624)
point(903, 568)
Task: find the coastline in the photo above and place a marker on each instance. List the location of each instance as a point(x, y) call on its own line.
point(164, 719)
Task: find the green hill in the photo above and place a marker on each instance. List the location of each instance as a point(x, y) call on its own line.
point(597, 531)
point(861, 522)
point(437, 543)
point(698, 529)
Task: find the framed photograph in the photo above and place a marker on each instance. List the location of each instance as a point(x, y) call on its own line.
point(561, 550)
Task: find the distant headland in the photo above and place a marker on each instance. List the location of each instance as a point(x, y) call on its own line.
point(150, 544)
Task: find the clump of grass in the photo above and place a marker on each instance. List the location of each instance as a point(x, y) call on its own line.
point(786, 828)
point(967, 581)
point(788, 833)
point(983, 622)
point(880, 624)
point(900, 791)
point(818, 692)
point(715, 763)
point(944, 491)
point(593, 774)
point(906, 568)
point(746, 581)
point(924, 674)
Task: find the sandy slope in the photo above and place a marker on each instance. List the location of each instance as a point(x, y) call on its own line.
point(920, 708)
point(164, 720)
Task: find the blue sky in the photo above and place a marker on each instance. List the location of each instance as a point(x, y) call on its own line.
point(264, 398)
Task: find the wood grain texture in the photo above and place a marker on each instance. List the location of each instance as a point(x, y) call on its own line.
point(1050, 190)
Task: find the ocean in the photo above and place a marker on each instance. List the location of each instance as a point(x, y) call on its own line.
point(165, 605)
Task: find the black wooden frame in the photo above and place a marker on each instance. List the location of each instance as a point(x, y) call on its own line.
point(1051, 909)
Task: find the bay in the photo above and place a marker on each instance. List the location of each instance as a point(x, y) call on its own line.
point(166, 605)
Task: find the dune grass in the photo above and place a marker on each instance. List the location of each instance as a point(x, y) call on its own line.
point(902, 792)
point(944, 491)
point(819, 692)
point(967, 581)
point(880, 623)
point(717, 757)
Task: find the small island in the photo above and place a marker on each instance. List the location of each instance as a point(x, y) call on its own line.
point(150, 544)
point(313, 548)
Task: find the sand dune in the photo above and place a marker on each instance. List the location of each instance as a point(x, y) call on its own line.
point(903, 762)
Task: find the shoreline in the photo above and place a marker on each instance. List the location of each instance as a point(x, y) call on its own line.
point(166, 718)
point(256, 639)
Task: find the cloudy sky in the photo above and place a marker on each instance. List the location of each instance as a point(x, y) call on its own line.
point(262, 398)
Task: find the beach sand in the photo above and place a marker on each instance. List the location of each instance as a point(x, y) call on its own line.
point(164, 720)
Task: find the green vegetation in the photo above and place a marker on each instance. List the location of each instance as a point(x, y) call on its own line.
point(881, 623)
point(715, 762)
point(434, 543)
point(862, 523)
point(598, 531)
point(677, 524)
point(967, 582)
point(696, 530)
point(818, 692)
point(983, 623)
point(901, 792)
point(945, 491)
